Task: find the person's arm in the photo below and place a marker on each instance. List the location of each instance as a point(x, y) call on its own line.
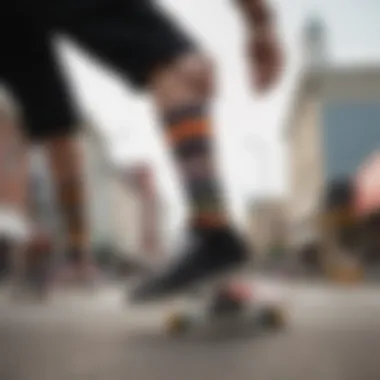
point(264, 50)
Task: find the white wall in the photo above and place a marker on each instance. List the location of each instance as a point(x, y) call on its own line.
point(126, 216)
point(306, 164)
point(98, 175)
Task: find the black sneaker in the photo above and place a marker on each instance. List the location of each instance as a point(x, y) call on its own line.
point(213, 252)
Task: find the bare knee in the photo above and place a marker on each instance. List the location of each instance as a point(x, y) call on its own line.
point(189, 79)
point(195, 73)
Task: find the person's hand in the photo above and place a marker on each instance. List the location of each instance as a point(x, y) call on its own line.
point(265, 58)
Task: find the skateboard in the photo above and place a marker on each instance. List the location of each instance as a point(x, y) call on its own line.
point(234, 300)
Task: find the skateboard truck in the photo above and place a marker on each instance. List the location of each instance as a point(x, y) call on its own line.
point(229, 300)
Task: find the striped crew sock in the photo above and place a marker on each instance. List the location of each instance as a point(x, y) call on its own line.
point(189, 132)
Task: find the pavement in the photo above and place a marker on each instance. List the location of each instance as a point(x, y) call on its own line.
point(333, 334)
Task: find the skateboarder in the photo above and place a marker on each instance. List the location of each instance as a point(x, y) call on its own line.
point(138, 40)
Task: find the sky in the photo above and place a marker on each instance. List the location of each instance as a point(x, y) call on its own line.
point(249, 128)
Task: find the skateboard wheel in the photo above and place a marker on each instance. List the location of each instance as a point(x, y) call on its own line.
point(273, 318)
point(177, 323)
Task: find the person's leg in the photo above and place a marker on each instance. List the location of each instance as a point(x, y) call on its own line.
point(50, 121)
point(66, 161)
point(183, 91)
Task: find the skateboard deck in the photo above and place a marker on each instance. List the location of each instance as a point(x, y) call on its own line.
point(230, 300)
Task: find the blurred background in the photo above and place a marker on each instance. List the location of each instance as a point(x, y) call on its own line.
point(302, 169)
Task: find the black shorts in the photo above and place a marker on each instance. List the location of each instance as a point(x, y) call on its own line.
point(133, 37)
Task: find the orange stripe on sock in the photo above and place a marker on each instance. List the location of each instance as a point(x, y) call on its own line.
point(188, 129)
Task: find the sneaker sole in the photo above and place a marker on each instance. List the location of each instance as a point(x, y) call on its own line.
point(209, 284)
point(201, 287)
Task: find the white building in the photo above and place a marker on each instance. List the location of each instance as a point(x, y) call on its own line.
point(126, 217)
point(114, 207)
point(333, 127)
point(98, 170)
point(123, 203)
